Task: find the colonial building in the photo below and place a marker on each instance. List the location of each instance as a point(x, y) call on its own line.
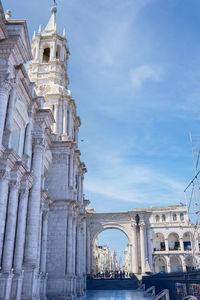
point(42, 208)
point(161, 239)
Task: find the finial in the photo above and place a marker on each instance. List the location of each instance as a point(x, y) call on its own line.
point(8, 15)
point(34, 34)
point(39, 30)
point(54, 8)
point(64, 33)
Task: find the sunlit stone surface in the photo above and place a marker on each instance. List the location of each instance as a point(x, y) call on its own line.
point(112, 295)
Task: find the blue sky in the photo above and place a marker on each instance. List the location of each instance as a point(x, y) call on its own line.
point(135, 76)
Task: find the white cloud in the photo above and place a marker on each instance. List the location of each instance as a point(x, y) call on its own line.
point(145, 72)
point(117, 178)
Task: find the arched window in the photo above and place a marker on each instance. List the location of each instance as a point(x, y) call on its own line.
point(182, 217)
point(163, 218)
point(174, 217)
point(157, 218)
point(58, 52)
point(46, 55)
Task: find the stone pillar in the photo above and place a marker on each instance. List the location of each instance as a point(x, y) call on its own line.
point(27, 182)
point(34, 204)
point(4, 177)
point(5, 88)
point(70, 123)
point(88, 252)
point(134, 252)
point(64, 117)
point(9, 239)
point(80, 187)
point(71, 168)
point(9, 119)
point(84, 254)
point(33, 224)
point(56, 118)
point(166, 245)
point(60, 118)
point(28, 142)
point(69, 287)
point(44, 242)
point(181, 244)
point(79, 260)
point(168, 265)
point(183, 263)
point(142, 245)
point(74, 246)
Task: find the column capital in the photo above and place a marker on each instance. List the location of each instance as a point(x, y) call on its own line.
point(133, 224)
point(38, 144)
point(4, 175)
point(27, 181)
point(14, 184)
point(6, 85)
point(142, 224)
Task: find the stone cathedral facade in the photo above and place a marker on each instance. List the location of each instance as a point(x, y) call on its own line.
point(42, 206)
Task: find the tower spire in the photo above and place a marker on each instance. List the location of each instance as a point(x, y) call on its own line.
point(52, 26)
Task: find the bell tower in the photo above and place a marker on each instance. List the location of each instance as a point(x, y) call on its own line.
point(48, 70)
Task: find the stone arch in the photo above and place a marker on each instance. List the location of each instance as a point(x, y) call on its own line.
point(94, 236)
point(160, 264)
point(158, 241)
point(175, 263)
point(46, 53)
point(174, 241)
point(187, 241)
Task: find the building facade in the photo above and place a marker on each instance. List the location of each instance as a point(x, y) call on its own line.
point(42, 208)
point(160, 239)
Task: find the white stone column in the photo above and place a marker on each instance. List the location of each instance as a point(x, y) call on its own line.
point(134, 249)
point(168, 265)
point(166, 245)
point(10, 226)
point(88, 252)
point(80, 187)
point(181, 244)
point(84, 253)
point(74, 260)
point(34, 204)
point(78, 248)
point(69, 242)
point(71, 169)
point(60, 117)
point(69, 265)
point(4, 177)
point(64, 117)
point(142, 245)
point(56, 118)
point(5, 88)
point(21, 221)
point(28, 142)
point(10, 118)
point(44, 242)
point(70, 122)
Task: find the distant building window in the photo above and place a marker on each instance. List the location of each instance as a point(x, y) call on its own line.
point(46, 55)
point(174, 217)
point(163, 218)
point(157, 218)
point(182, 217)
